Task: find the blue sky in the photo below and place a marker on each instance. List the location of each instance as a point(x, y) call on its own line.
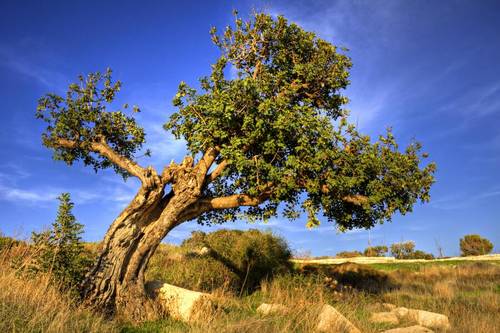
point(429, 69)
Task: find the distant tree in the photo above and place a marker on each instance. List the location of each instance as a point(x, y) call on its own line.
point(475, 245)
point(376, 251)
point(349, 254)
point(60, 250)
point(274, 133)
point(402, 250)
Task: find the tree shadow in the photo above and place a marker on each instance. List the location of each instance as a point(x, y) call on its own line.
point(351, 275)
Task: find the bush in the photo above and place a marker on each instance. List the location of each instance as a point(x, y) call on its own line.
point(475, 245)
point(252, 255)
point(349, 254)
point(7, 242)
point(60, 250)
point(376, 251)
point(418, 254)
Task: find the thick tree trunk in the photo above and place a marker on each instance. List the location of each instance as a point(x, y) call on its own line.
point(116, 283)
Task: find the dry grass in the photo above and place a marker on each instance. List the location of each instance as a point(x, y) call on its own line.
point(34, 305)
point(468, 293)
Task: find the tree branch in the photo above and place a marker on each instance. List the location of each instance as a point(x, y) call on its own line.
point(102, 148)
point(218, 170)
point(204, 205)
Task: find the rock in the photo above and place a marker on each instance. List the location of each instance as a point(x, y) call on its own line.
point(204, 251)
point(401, 312)
point(384, 317)
point(182, 303)
point(330, 320)
point(429, 319)
point(269, 309)
point(388, 306)
point(411, 329)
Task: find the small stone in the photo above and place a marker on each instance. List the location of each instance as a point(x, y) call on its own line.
point(330, 320)
point(269, 309)
point(410, 329)
point(384, 318)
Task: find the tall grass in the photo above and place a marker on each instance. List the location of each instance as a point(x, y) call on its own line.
point(34, 304)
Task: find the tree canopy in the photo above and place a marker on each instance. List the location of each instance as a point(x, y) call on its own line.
point(273, 111)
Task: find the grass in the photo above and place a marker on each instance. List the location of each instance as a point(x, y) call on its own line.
point(467, 292)
point(32, 304)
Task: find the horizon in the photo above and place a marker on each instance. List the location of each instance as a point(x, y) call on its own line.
point(428, 70)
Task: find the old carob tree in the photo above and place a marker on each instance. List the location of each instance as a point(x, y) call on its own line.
point(273, 135)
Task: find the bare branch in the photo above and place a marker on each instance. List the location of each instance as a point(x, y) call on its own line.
point(102, 148)
point(204, 205)
point(218, 170)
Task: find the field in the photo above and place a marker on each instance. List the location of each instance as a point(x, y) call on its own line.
point(467, 292)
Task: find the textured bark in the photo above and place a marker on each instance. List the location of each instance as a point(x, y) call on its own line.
point(116, 283)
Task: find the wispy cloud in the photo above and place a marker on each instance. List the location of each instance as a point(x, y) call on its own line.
point(20, 62)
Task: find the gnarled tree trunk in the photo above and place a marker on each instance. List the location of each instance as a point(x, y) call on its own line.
point(116, 282)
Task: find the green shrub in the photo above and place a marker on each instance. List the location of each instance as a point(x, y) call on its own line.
point(376, 251)
point(60, 250)
point(475, 245)
point(194, 273)
point(349, 254)
point(418, 254)
point(253, 255)
point(233, 259)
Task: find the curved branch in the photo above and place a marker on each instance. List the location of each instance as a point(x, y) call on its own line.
point(102, 148)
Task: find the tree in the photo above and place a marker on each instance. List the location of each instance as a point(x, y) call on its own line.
point(376, 251)
point(275, 134)
point(60, 250)
point(403, 250)
point(475, 245)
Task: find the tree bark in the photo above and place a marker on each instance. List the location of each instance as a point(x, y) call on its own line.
point(115, 285)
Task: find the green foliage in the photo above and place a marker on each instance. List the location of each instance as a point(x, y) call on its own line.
point(348, 254)
point(475, 245)
point(376, 251)
point(82, 117)
point(281, 125)
point(60, 250)
point(252, 255)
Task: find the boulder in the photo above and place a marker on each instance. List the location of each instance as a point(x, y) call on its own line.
point(411, 329)
point(182, 303)
point(330, 320)
point(429, 319)
point(401, 312)
point(269, 309)
point(384, 318)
